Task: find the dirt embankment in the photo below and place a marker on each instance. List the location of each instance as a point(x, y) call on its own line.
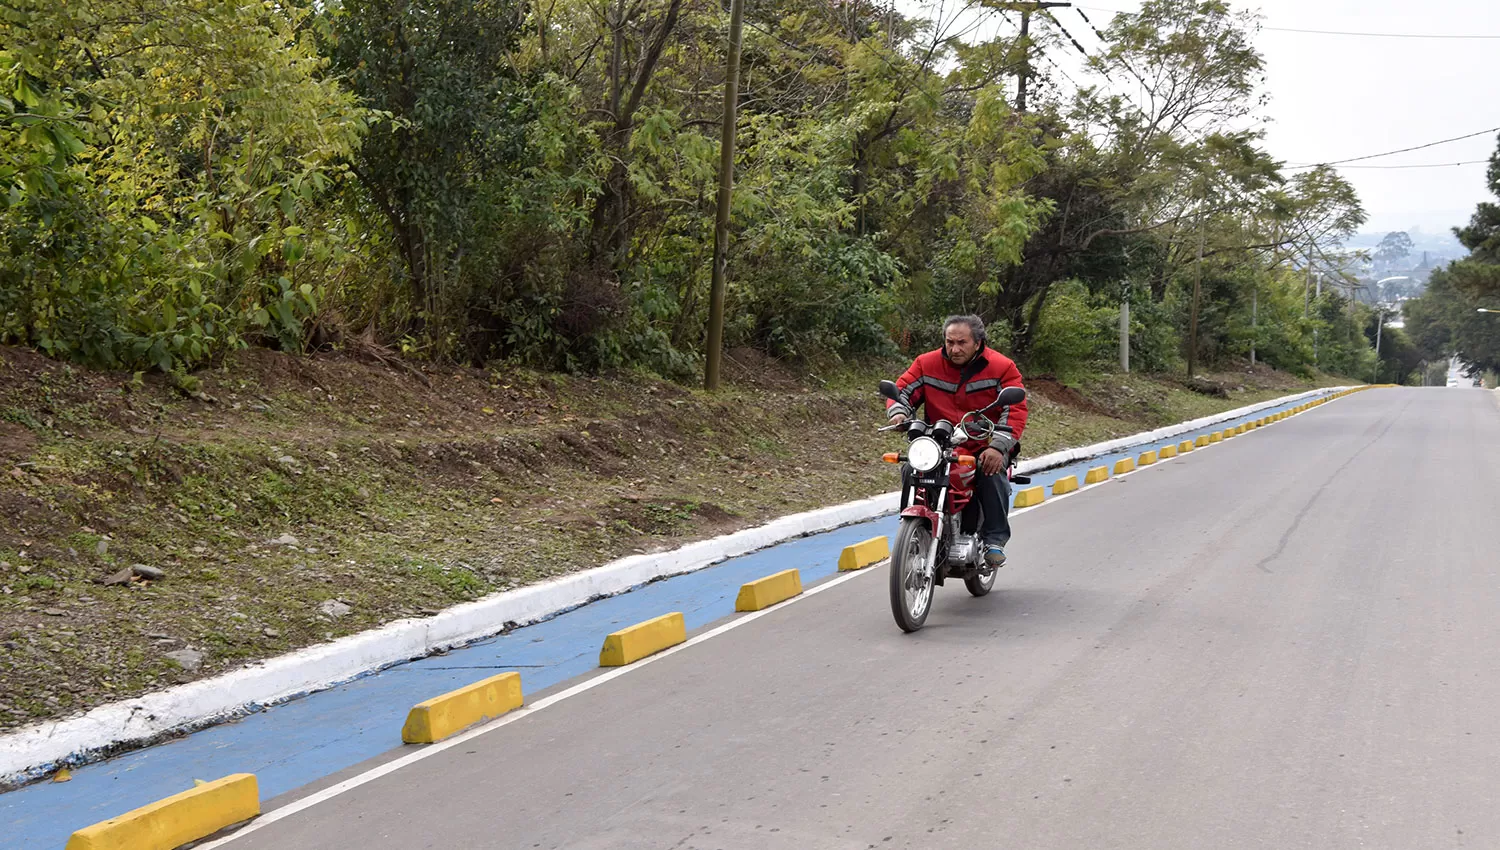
point(148, 537)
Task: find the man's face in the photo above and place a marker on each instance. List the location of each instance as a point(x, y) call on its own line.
point(958, 342)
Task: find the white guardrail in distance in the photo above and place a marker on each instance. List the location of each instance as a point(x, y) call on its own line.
point(37, 750)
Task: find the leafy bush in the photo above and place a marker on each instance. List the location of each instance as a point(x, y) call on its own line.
point(1075, 332)
point(165, 170)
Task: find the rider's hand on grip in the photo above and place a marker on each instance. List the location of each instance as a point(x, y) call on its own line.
point(991, 461)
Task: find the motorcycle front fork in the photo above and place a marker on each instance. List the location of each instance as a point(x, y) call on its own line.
point(931, 561)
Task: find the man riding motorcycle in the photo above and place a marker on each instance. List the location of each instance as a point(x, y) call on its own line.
point(962, 376)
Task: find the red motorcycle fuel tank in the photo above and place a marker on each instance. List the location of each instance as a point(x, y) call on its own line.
point(961, 482)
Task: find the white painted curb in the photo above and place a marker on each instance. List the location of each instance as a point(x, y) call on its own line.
point(1067, 456)
point(35, 751)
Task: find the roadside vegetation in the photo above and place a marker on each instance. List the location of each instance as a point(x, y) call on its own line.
point(494, 181)
point(1459, 313)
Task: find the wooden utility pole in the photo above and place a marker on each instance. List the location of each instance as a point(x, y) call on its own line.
point(1318, 296)
point(1026, 9)
point(1254, 319)
point(1307, 285)
point(1197, 296)
point(1125, 332)
point(726, 193)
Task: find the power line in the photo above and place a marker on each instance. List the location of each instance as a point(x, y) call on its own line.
point(1105, 41)
point(1420, 165)
point(1066, 75)
point(1316, 165)
point(1337, 32)
point(1053, 18)
point(1402, 150)
point(1379, 34)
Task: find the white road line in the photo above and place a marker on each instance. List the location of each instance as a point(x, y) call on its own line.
point(519, 714)
point(532, 708)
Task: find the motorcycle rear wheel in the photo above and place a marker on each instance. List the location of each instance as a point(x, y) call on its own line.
point(911, 586)
point(980, 584)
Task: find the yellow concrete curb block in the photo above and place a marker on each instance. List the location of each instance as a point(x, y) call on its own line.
point(1030, 496)
point(864, 553)
point(628, 646)
point(765, 592)
point(1096, 475)
point(1185, 446)
point(1168, 452)
point(1124, 465)
point(1146, 458)
point(1201, 441)
point(433, 720)
point(1065, 484)
point(1216, 437)
point(195, 813)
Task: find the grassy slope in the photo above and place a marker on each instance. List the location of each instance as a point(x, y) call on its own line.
point(406, 492)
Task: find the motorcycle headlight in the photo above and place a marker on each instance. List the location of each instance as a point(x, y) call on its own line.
point(923, 454)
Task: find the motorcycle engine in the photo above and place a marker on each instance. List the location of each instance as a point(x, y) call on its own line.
point(964, 549)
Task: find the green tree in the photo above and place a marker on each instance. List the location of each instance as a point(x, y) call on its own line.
point(1445, 321)
point(476, 173)
point(1393, 248)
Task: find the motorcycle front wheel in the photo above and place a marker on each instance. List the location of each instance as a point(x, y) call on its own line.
point(911, 583)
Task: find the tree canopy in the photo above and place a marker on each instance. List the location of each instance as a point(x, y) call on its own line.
point(493, 179)
point(1446, 320)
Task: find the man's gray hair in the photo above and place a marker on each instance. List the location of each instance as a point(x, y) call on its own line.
point(976, 326)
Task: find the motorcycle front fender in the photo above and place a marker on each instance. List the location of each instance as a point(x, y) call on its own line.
point(925, 513)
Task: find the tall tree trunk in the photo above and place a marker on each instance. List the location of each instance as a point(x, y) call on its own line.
point(608, 231)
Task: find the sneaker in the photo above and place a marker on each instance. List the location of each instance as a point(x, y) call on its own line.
point(994, 556)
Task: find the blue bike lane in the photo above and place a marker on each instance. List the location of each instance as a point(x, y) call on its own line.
point(301, 741)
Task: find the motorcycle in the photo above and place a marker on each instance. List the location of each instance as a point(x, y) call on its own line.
point(940, 518)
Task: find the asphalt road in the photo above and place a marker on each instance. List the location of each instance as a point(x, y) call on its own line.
point(1287, 641)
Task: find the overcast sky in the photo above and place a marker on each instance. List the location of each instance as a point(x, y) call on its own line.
point(1334, 97)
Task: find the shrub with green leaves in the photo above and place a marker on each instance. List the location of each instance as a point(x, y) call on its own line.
point(1076, 332)
point(164, 177)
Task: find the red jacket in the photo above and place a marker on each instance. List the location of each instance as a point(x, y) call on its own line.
point(949, 392)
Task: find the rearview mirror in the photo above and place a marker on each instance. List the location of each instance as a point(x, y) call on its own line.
point(1012, 396)
point(890, 391)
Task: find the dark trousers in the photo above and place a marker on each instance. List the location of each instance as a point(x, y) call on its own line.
point(993, 492)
